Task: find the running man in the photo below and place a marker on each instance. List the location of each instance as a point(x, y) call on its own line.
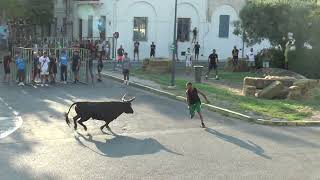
point(152, 50)
point(194, 102)
point(213, 64)
point(63, 67)
point(126, 65)
point(76, 66)
point(196, 50)
point(44, 68)
point(21, 69)
point(6, 66)
point(188, 61)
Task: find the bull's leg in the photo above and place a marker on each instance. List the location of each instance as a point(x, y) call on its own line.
point(106, 125)
point(83, 120)
point(75, 121)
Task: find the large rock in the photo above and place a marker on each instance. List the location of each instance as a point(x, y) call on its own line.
point(249, 90)
point(306, 83)
point(295, 93)
point(286, 80)
point(272, 91)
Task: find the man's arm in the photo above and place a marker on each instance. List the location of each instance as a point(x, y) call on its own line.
point(204, 96)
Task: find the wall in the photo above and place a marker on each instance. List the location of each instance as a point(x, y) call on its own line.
point(204, 14)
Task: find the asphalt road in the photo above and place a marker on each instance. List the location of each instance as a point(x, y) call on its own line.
point(159, 141)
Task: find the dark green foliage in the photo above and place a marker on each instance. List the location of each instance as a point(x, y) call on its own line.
point(305, 62)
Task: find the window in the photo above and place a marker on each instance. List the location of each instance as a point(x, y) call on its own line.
point(140, 29)
point(224, 26)
point(90, 26)
point(184, 25)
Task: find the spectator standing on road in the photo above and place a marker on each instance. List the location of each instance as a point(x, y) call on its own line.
point(120, 53)
point(213, 64)
point(194, 102)
point(196, 50)
point(76, 66)
point(99, 67)
point(235, 56)
point(63, 67)
point(107, 50)
point(195, 35)
point(126, 65)
point(152, 50)
point(53, 70)
point(21, 69)
point(44, 68)
point(36, 67)
point(6, 66)
point(188, 61)
point(251, 59)
point(136, 50)
point(91, 58)
point(100, 50)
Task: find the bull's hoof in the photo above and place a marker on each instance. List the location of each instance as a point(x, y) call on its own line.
point(85, 128)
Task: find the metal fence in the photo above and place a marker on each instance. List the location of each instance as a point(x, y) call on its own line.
point(27, 55)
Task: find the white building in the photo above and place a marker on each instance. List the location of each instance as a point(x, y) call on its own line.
point(152, 21)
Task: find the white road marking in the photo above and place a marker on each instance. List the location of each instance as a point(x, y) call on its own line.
point(9, 125)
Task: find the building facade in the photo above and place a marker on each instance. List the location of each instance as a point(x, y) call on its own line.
point(150, 21)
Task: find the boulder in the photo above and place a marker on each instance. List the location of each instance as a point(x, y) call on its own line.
point(286, 80)
point(249, 90)
point(306, 83)
point(295, 93)
point(272, 91)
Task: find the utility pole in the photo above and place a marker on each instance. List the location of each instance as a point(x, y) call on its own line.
point(174, 45)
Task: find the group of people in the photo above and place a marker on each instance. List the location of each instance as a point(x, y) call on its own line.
point(44, 67)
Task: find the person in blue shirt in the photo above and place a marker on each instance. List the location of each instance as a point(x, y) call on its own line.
point(21, 69)
point(63, 66)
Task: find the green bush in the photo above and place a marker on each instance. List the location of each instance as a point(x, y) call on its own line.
point(305, 62)
point(276, 57)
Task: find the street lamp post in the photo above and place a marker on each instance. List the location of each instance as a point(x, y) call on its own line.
point(173, 71)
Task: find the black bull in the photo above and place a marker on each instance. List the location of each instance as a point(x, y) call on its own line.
point(104, 111)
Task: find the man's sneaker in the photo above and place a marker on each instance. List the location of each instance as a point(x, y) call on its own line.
point(22, 84)
point(217, 77)
point(19, 84)
point(203, 126)
point(206, 77)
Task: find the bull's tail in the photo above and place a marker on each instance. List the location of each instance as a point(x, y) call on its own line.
point(66, 114)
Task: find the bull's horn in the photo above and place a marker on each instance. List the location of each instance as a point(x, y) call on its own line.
point(124, 97)
point(131, 99)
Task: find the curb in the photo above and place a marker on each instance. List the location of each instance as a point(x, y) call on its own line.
point(223, 111)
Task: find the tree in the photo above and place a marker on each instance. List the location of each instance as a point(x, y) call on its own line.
point(274, 19)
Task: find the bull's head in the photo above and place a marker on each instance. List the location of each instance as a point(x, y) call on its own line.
point(128, 109)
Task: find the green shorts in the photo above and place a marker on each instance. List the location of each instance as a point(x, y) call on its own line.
point(194, 108)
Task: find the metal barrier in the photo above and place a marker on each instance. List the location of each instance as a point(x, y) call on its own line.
point(27, 55)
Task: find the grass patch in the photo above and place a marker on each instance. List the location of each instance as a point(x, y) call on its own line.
point(283, 109)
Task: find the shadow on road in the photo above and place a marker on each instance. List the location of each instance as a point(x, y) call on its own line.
point(250, 146)
point(122, 146)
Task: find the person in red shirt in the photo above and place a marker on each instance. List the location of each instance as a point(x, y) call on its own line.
point(6, 65)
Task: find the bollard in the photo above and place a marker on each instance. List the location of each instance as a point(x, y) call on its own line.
point(198, 73)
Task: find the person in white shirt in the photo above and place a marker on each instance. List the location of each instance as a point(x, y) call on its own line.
point(188, 61)
point(251, 58)
point(100, 50)
point(44, 68)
